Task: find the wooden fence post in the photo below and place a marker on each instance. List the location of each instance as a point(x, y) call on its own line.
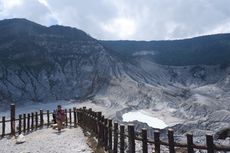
point(102, 130)
point(79, 117)
point(70, 117)
point(115, 138)
point(131, 135)
point(157, 141)
point(110, 134)
point(48, 118)
point(106, 133)
point(24, 123)
point(41, 118)
point(12, 119)
point(210, 144)
point(75, 116)
point(36, 120)
point(66, 118)
point(19, 124)
point(144, 140)
point(90, 119)
point(98, 122)
point(190, 143)
point(99, 127)
point(95, 122)
point(82, 117)
point(171, 141)
point(122, 138)
point(28, 122)
point(32, 121)
point(3, 126)
point(86, 118)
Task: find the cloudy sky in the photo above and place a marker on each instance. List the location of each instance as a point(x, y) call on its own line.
point(127, 19)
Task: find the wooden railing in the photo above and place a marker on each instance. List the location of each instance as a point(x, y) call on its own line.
point(111, 136)
point(28, 122)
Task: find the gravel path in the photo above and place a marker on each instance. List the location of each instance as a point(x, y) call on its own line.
point(48, 141)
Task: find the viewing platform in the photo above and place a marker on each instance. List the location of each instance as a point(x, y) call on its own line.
point(110, 136)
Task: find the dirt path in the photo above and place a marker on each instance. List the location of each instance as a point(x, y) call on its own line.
point(48, 141)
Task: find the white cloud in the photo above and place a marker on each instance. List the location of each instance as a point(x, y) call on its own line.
point(9, 4)
point(122, 27)
point(30, 9)
point(44, 2)
point(127, 19)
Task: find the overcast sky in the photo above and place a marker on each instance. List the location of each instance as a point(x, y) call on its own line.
point(127, 19)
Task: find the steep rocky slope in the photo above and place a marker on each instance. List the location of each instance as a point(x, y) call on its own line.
point(43, 63)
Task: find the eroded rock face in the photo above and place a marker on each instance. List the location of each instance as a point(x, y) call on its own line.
point(40, 64)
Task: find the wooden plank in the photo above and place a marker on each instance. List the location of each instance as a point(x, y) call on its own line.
point(66, 118)
point(32, 121)
point(157, 141)
point(12, 119)
point(122, 138)
point(79, 116)
point(115, 138)
point(210, 144)
point(90, 121)
point(75, 116)
point(99, 131)
point(102, 130)
point(28, 122)
point(41, 118)
point(106, 133)
point(24, 123)
point(190, 143)
point(36, 120)
point(131, 135)
point(3, 126)
point(98, 122)
point(95, 122)
point(110, 135)
point(20, 124)
point(171, 141)
point(70, 117)
point(144, 140)
point(48, 117)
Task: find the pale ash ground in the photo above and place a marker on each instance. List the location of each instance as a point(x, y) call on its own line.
point(48, 141)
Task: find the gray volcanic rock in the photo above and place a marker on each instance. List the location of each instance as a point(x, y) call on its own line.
point(220, 116)
point(40, 63)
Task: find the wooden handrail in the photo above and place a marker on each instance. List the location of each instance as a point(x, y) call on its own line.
point(190, 146)
point(109, 135)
